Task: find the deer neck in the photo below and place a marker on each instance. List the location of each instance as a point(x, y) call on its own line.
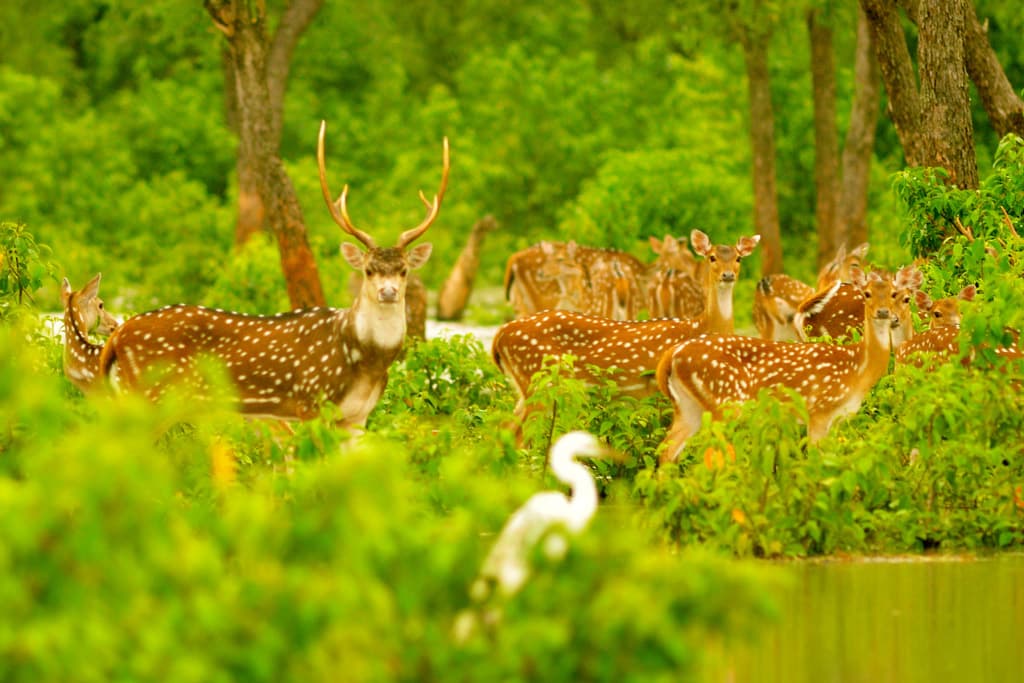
point(378, 325)
point(75, 334)
point(876, 348)
point(719, 308)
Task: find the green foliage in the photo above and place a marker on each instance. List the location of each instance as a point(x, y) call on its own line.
point(935, 209)
point(24, 267)
point(922, 466)
point(559, 403)
point(641, 194)
point(172, 542)
point(252, 281)
point(972, 238)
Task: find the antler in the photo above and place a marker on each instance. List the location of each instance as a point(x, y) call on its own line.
point(432, 207)
point(339, 210)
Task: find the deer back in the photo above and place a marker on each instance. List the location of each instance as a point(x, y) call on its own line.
point(632, 347)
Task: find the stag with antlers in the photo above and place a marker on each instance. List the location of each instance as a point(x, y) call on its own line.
point(288, 365)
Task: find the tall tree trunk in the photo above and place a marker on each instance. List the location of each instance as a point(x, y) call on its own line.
point(851, 221)
point(945, 96)
point(296, 19)
point(1002, 103)
point(898, 75)
point(934, 124)
point(826, 137)
point(762, 137)
point(264, 187)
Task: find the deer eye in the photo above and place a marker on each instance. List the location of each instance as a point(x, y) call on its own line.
point(101, 305)
point(937, 314)
point(370, 272)
point(906, 299)
point(403, 272)
point(712, 259)
point(867, 295)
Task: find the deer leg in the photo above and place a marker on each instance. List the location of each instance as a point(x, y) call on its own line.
point(686, 420)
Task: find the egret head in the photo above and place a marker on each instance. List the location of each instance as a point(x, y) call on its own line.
point(580, 444)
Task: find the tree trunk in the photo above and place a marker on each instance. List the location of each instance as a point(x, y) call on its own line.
point(851, 221)
point(934, 124)
point(1004, 107)
point(264, 187)
point(297, 17)
point(451, 302)
point(826, 137)
point(762, 136)
point(898, 74)
point(947, 128)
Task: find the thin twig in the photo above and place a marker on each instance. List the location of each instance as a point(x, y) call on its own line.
point(1009, 223)
point(965, 231)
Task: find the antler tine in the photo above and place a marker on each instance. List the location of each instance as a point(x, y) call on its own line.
point(339, 209)
point(432, 207)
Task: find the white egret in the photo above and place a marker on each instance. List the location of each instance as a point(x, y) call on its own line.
point(545, 516)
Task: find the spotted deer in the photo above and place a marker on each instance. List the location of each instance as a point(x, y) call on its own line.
point(673, 280)
point(942, 338)
point(704, 374)
point(614, 285)
point(785, 308)
point(287, 365)
point(632, 348)
point(526, 287)
point(83, 310)
point(776, 301)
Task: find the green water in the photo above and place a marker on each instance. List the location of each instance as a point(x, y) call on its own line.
point(879, 621)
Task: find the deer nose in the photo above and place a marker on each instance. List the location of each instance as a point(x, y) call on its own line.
point(883, 313)
point(387, 294)
point(728, 277)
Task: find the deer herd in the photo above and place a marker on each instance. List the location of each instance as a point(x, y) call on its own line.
point(666, 326)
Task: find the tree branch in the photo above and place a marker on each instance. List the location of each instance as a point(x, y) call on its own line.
point(296, 19)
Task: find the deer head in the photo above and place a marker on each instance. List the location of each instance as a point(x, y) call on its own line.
point(384, 269)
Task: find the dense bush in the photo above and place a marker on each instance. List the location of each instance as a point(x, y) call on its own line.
point(143, 542)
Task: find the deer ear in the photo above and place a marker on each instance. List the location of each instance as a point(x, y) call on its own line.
point(746, 245)
point(65, 291)
point(353, 255)
point(701, 243)
point(419, 254)
point(968, 292)
point(92, 288)
point(860, 251)
point(924, 302)
point(908, 276)
point(655, 244)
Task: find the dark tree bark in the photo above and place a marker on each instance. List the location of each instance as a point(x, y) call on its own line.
point(264, 187)
point(933, 123)
point(762, 137)
point(946, 121)
point(851, 220)
point(897, 73)
point(826, 136)
point(1002, 103)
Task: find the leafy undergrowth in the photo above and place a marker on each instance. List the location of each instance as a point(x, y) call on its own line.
point(179, 542)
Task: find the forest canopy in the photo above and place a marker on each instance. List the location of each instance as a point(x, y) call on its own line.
point(583, 119)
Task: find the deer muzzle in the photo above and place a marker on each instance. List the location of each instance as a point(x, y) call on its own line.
point(388, 294)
